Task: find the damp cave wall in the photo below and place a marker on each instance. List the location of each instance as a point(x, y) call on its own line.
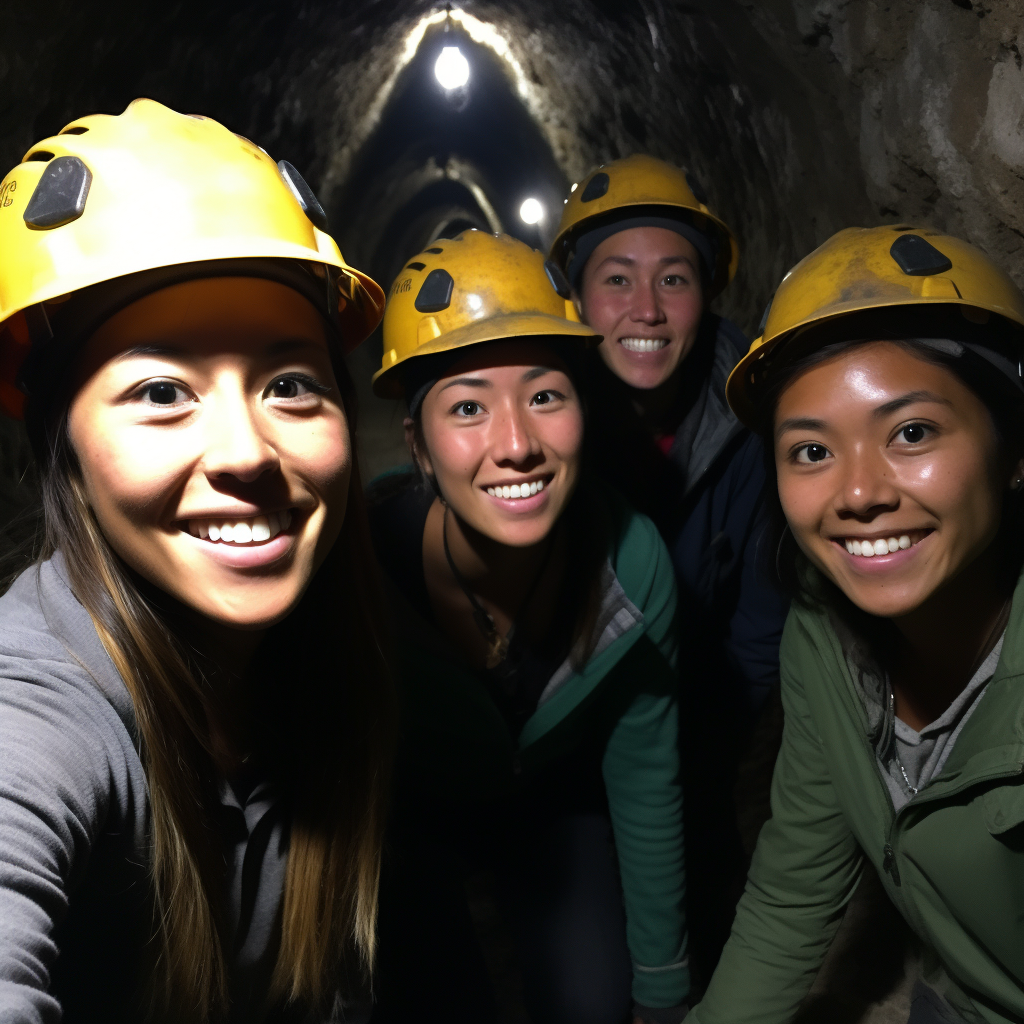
point(799, 117)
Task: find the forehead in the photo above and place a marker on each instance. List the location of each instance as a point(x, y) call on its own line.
point(508, 359)
point(645, 244)
point(865, 376)
point(209, 316)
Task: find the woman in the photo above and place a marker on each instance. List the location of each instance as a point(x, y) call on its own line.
point(646, 257)
point(534, 617)
point(194, 712)
point(888, 383)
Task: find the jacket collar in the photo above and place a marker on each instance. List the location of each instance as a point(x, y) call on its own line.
point(717, 424)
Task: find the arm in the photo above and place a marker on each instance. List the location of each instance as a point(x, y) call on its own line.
point(54, 787)
point(641, 772)
point(760, 608)
point(805, 869)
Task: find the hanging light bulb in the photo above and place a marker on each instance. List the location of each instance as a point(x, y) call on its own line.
point(452, 68)
point(531, 211)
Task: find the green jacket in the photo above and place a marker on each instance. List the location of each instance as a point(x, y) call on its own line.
point(952, 859)
point(457, 747)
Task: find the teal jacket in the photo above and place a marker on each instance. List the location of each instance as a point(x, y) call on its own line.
point(459, 748)
point(952, 859)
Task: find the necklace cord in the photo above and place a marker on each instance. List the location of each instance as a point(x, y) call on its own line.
point(499, 645)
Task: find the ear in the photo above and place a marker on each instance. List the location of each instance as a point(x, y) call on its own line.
point(1017, 476)
point(420, 458)
point(578, 303)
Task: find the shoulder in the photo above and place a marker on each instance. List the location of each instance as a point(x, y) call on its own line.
point(67, 725)
point(638, 554)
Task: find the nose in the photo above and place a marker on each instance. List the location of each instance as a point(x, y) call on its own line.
point(512, 440)
point(236, 443)
point(646, 307)
point(867, 487)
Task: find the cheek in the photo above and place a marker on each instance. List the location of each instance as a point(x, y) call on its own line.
point(685, 312)
point(129, 472)
point(454, 453)
point(320, 450)
point(603, 310)
point(803, 500)
point(564, 436)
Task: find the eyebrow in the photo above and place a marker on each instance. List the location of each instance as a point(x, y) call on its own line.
point(468, 382)
point(799, 423)
point(665, 261)
point(538, 371)
point(886, 409)
point(910, 398)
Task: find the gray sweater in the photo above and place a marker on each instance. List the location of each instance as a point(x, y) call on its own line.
point(75, 914)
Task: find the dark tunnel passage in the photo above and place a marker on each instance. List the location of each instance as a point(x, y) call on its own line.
point(797, 117)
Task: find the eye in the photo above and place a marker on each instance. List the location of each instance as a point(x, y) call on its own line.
point(673, 280)
point(163, 394)
point(913, 433)
point(547, 397)
point(616, 279)
point(467, 409)
point(811, 453)
point(291, 386)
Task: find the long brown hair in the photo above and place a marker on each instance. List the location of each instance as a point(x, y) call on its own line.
point(332, 729)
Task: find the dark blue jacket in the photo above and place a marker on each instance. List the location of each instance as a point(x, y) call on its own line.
point(706, 497)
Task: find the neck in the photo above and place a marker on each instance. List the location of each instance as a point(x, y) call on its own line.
point(942, 642)
point(495, 571)
point(655, 405)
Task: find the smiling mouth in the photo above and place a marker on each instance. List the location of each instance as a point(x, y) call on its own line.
point(643, 344)
point(243, 529)
point(886, 544)
point(524, 489)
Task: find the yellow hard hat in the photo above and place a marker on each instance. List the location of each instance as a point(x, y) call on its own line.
point(879, 268)
point(617, 189)
point(111, 196)
point(469, 289)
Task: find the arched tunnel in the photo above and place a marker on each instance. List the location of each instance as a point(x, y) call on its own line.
point(797, 117)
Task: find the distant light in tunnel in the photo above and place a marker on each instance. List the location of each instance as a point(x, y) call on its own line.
point(531, 211)
point(452, 68)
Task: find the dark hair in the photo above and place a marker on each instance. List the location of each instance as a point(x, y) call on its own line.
point(332, 737)
point(787, 562)
point(585, 523)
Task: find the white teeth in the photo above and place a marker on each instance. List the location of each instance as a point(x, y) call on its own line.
point(517, 490)
point(886, 546)
point(643, 344)
point(241, 531)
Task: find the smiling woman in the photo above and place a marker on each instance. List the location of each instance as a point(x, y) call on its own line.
point(535, 617)
point(888, 385)
point(195, 712)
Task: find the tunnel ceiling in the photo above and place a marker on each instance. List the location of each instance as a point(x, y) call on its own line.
point(798, 116)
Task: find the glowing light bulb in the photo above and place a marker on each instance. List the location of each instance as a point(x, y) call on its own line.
point(452, 68)
point(531, 211)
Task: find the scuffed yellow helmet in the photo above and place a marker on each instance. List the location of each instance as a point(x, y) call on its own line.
point(473, 288)
point(620, 187)
point(861, 269)
point(111, 196)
